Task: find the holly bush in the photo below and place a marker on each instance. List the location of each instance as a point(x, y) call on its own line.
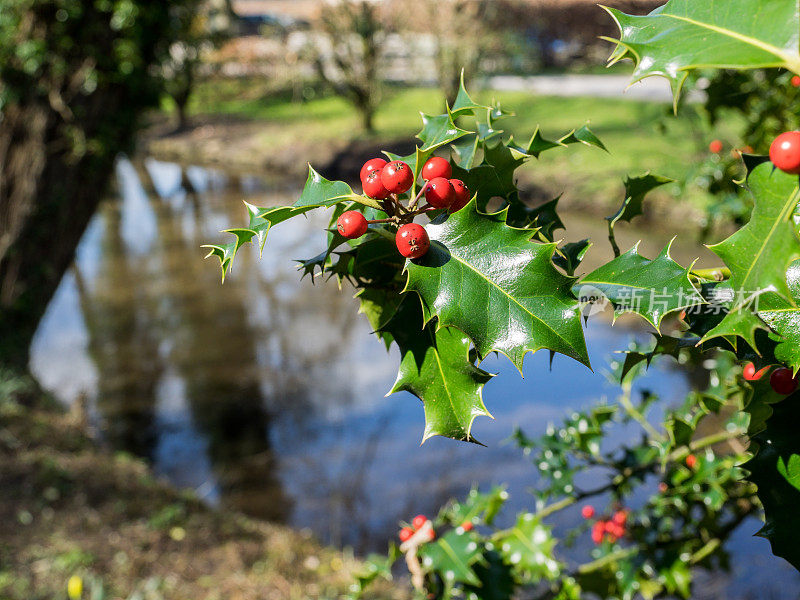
point(492, 274)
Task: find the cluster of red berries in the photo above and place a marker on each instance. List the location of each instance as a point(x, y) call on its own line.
point(612, 528)
point(383, 180)
point(417, 523)
point(783, 381)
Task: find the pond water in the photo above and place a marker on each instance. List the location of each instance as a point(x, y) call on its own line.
point(267, 394)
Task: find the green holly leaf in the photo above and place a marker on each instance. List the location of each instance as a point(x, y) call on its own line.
point(317, 193)
point(438, 131)
point(536, 145)
point(494, 284)
point(570, 256)
point(529, 547)
point(682, 36)
point(650, 288)
point(739, 322)
point(584, 136)
point(464, 104)
point(636, 188)
point(379, 305)
point(453, 556)
point(760, 253)
point(775, 469)
point(784, 319)
point(435, 367)
point(466, 148)
point(496, 577)
point(544, 218)
point(476, 507)
point(375, 567)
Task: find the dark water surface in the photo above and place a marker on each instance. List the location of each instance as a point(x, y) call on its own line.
point(267, 394)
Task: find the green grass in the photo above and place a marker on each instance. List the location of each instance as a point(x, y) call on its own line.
point(640, 136)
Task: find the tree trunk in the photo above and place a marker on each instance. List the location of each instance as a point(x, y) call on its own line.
point(47, 199)
point(58, 143)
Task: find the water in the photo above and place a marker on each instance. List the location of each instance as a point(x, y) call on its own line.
point(267, 394)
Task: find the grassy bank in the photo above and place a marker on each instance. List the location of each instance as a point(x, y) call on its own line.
point(272, 130)
point(68, 509)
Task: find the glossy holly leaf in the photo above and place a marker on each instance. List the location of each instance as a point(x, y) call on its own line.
point(784, 319)
point(454, 555)
point(464, 104)
point(570, 256)
point(477, 507)
point(317, 193)
point(664, 346)
point(496, 577)
point(636, 188)
point(466, 148)
point(435, 367)
point(739, 322)
point(379, 305)
point(544, 218)
point(438, 130)
point(529, 545)
point(585, 136)
point(684, 35)
point(760, 253)
point(494, 284)
point(538, 143)
point(758, 402)
point(775, 469)
point(650, 288)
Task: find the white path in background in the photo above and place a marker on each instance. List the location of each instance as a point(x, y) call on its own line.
point(598, 86)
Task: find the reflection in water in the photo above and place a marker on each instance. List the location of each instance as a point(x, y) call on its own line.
point(266, 394)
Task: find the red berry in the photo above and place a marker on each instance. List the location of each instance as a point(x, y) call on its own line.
point(620, 517)
point(587, 512)
point(412, 241)
point(691, 461)
point(663, 487)
point(783, 381)
point(439, 193)
point(436, 167)
point(352, 224)
point(376, 164)
point(419, 521)
point(405, 533)
point(373, 186)
point(750, 373)
point(715, 146)
point(796, 81)
point(397, 177)
point(615, 530)
point(598, 532)
point(462, 195)
point(785, 152)
point(467, 526)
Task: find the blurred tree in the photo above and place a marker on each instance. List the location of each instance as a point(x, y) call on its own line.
point(347, 53)
point(465, 32)
point(74, 80)
point(202, 29)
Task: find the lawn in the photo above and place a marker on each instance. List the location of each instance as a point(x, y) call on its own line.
point(640, 136)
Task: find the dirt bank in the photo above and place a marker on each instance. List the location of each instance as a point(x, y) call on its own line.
point(69, 508)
